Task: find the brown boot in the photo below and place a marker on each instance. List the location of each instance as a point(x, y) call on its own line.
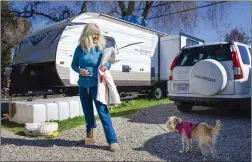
point(91, 137)
point(113, 147)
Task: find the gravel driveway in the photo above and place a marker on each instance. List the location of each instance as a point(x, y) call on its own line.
point(141, 138)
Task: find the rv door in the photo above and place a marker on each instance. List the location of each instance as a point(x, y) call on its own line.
point(187, 40)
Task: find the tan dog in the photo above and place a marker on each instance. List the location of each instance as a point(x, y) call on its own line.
point(202, 132)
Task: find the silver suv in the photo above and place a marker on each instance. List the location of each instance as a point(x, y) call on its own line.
point(216, 73)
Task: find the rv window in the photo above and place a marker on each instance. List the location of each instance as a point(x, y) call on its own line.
point(190, 42)
point(250, 51)
point(244, 54)
point(190, 56)
point(110, 42)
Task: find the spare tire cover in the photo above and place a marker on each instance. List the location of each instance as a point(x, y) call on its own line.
point(207, 77)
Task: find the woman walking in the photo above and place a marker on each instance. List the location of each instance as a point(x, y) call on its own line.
point(86, 60)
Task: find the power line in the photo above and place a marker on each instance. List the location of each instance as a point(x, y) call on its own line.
point(212, 4)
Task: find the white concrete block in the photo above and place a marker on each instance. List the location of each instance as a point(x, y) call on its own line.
point(42, 110)
point(39, 113)
point(74, 108)
point(63, 110)
point(22, 113)
point(27, 112)
point(52, 111)
point(80, 109)
point(15, 112)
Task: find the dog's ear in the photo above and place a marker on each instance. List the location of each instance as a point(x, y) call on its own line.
point(175, 120)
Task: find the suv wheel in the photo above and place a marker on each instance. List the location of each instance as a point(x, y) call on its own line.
point(184, 106)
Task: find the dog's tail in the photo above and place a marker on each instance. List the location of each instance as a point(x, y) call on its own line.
point(216, 129)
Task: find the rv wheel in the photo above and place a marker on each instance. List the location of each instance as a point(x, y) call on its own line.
point(157, 93)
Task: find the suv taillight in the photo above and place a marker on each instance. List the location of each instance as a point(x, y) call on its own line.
point(172, 67)
point(236, 64)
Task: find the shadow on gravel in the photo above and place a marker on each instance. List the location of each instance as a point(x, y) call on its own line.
point(158, 114)
point(166, 146)
point(232, 142)
point(48, 143)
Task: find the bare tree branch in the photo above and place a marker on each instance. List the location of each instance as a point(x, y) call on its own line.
point(238, 35)
point(215, 3)
point(147, 8)
point(114, 11)
point(159, 5)
point(131, 7)
point(122, 7)
point(138, 7)
point(174, 13)
point(29, 14)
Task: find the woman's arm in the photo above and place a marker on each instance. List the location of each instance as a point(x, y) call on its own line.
point(75, 65)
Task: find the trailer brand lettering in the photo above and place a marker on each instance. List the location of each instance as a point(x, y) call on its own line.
point(38, 38)
point(142, 51)
point(205, 78)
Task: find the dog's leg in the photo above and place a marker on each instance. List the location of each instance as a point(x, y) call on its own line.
point(190, 145)
point(187, 150)
point(201, 146)
point(211, 146)
point(183, 144)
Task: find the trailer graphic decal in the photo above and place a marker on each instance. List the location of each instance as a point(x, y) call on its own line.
point(131, 44)
point(38, 38)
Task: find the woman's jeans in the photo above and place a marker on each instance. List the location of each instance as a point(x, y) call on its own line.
point(87, 95)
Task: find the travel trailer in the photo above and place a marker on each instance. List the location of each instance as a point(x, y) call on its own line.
point(42, 62)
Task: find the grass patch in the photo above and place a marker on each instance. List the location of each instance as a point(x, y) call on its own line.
point(69, 123)
point(126, 108)
point(12, 126)
point(131, 106)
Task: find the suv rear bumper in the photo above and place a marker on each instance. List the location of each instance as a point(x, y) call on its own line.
point(208, 100)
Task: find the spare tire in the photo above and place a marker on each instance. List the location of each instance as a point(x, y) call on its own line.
point(207, 77)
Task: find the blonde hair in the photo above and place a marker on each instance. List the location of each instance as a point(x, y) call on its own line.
point(86, 39)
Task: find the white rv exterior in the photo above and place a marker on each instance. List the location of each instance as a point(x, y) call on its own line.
point(145, 55)
point(137, 57)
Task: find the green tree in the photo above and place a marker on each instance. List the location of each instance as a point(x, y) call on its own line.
point(13, 30)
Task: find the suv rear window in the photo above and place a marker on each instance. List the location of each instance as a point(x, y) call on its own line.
point(190, 56)
point(244, 54)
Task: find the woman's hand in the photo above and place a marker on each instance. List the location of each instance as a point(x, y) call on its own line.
point(84, 72)
point(103, 68)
